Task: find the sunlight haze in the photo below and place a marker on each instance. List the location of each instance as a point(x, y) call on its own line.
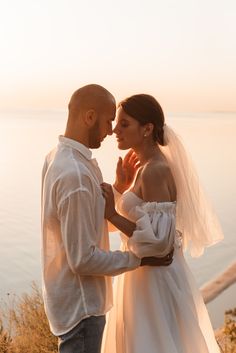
point(183, 52)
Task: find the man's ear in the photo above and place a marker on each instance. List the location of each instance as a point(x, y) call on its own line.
point(90, 118)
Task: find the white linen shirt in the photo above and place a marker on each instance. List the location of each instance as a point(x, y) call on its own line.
point(77, 264)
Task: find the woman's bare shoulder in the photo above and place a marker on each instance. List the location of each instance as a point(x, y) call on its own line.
point(157, 182)
point(155, 170)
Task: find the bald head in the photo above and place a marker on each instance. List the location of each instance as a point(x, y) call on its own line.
point(89, 97)
point(91, 112)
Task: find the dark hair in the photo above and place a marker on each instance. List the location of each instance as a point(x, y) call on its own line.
point(145, 109)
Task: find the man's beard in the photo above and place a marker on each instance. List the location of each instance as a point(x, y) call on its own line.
point(94, 136)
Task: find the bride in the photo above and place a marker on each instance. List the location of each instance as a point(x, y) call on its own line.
point(157, 309)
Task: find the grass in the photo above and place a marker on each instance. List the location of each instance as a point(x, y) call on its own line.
point(26, 329)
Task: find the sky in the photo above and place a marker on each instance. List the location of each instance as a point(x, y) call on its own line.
point(181, 51)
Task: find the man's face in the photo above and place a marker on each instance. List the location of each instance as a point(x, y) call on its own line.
point(103, 125)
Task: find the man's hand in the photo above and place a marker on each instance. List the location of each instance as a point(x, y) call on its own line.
point(107, 192)
point(158, 261)
point(125, 171)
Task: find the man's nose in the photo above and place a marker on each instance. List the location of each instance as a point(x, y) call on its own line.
point(110, 131)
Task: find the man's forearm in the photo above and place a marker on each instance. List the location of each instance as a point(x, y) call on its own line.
point(124, 225)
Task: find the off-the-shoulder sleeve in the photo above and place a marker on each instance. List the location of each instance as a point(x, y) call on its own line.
point(155, 229)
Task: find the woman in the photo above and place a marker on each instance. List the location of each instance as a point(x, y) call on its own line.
point(157, 309)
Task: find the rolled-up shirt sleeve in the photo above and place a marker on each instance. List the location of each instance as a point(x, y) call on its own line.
point(81, 239)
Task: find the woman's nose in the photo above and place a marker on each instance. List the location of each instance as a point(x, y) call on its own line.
point(115, 130)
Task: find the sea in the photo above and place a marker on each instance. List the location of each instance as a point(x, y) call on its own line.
point(27, 136)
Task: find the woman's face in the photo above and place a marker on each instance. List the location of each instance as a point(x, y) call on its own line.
point(129, 132)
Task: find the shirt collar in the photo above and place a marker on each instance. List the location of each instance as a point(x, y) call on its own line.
point(85, 151)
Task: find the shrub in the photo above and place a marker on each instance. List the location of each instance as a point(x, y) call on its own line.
point(5, 340)
point(226, 337)
point(28, 329)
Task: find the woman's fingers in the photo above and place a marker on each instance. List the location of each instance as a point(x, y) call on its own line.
point(119, 164)
point(120, 161)
point(133, 158)
point(128, 155)
point(130, 160)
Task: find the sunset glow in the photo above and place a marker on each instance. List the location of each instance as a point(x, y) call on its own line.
point(183, 52)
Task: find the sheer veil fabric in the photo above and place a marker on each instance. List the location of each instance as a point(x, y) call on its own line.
point(195, 218)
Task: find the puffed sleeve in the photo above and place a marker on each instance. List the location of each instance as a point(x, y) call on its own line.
point(155, 229)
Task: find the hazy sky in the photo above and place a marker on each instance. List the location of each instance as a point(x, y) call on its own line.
point(181, 51)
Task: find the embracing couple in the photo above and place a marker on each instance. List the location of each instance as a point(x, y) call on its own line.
point(160, 210)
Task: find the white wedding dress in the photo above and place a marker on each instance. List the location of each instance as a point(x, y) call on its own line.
point(156, 309)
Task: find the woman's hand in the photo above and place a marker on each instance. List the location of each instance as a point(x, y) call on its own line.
point(107, 192)
point(125, 171)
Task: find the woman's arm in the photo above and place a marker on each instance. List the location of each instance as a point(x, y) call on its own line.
point(127, 227)
point(124, 225)
point(111, 227)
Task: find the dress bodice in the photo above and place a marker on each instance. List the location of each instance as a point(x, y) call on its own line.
point(128, 201)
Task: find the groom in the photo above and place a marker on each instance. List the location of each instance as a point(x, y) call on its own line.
point(77, 263)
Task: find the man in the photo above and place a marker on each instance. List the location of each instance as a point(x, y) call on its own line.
point(77, 263)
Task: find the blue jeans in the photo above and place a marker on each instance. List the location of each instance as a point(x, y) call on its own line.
point(86, 337)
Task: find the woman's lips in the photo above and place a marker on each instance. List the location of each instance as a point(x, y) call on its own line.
point(119, 139)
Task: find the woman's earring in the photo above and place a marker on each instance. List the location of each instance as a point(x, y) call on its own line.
point(145, 135)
